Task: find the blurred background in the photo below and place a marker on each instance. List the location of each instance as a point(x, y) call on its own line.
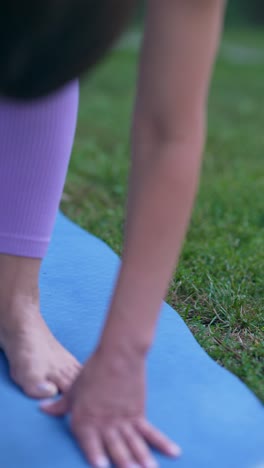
point(218, 287)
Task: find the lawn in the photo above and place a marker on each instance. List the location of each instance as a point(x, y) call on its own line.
point(218, 287)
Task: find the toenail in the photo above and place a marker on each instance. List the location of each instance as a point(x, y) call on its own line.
point(175, 450)
point(48, 388)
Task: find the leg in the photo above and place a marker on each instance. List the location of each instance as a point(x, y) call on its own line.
point(36, 140)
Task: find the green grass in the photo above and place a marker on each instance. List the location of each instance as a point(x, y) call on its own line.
point(218, 288)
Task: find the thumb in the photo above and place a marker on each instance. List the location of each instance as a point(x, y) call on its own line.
point(55, 408)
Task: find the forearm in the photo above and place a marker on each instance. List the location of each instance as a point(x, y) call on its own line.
point(162, 191)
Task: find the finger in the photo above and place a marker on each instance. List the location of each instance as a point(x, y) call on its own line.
point(55, 408)
point(157, 439)
point(91, 444)
point(118, 449)
point(138, 446)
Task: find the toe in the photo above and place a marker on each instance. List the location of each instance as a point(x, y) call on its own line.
point(63, 380)
point(65, 377)
point(73, 370)
point(36, 386)
point(73, 366)
point(43, 390)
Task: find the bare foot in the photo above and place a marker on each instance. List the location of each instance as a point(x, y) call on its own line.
point(38, 363)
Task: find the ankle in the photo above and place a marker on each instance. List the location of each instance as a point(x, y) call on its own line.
point(18, 281)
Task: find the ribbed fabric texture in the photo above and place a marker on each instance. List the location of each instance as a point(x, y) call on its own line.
point(36, 141)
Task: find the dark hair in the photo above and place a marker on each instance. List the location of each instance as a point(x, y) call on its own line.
point(46, 43)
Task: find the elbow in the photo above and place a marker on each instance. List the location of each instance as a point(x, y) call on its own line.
point(167, 145)
point(171, 135)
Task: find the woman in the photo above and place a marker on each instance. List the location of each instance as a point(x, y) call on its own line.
point(106, 401)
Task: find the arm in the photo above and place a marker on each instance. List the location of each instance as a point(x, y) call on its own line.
point(179, 48)
point(107, 402)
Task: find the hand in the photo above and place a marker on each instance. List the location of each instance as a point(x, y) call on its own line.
point(107, 413)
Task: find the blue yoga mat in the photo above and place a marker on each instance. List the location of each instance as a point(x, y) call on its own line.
point(217, 421)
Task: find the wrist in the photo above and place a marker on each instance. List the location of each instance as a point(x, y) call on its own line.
point(119, 339)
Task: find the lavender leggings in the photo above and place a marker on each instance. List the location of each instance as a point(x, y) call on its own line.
point(35, 146)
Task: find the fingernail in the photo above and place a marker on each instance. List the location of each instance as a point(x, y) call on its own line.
point(47, 402)
point(102, 462)
point(48, 387)
point(152, 464)
point(175, 450)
